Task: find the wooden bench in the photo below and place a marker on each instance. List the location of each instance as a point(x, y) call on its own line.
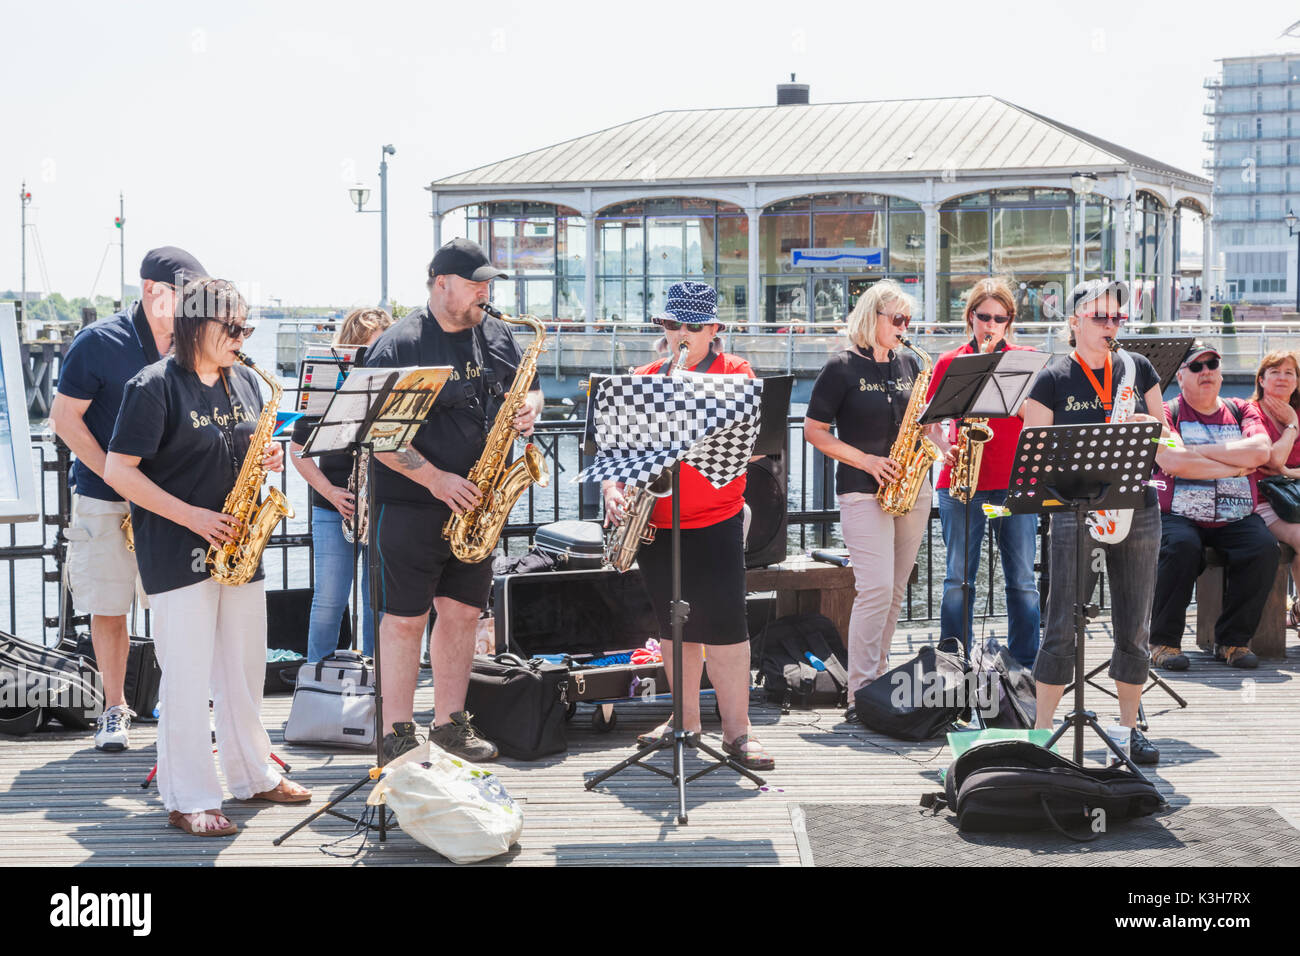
point(1270, 636)
point(805, 586)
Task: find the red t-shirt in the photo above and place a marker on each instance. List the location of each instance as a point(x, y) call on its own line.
point(702, 504)
point(1274, 433)
point(995, 465)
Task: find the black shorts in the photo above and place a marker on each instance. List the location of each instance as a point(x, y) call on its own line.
point(416, 564)
point(713, 581)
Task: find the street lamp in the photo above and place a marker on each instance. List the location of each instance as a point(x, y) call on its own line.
point(1083, 185)
point(360, 195)
point(1290, 221)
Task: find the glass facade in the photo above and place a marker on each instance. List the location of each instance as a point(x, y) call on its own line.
point(542, 246)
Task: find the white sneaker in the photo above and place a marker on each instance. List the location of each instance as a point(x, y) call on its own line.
point(111, 729)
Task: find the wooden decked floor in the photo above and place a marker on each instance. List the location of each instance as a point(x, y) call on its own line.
point(63, 803)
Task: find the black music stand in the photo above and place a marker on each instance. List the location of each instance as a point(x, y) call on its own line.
point(680, 739)
point(371, 412)
point(1082, 468)
point(980, 385)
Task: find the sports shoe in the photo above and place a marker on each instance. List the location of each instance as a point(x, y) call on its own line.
point(400, 741)
point(1169, 658)
point(1141, 750)
point(111, 729)
point(1236, 656)
point(460, 738)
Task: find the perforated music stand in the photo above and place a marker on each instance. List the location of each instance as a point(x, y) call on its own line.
point(371, 412)
point(1082, 468)
point(980, 385)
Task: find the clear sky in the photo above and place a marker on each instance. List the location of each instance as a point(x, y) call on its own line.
point(234, 129)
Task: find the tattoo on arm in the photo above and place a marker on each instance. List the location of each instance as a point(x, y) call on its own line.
point(410, 459)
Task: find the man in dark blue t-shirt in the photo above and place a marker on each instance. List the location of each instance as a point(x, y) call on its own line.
point(101, 563)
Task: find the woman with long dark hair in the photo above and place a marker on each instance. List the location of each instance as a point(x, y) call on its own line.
point(180, 441)
point(1277, 394)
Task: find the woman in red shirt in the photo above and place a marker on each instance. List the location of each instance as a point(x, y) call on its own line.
point(1277, 393)
point(712, 546)
point(990, 313)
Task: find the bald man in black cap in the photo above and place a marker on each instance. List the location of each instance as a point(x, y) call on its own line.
point(101, 568)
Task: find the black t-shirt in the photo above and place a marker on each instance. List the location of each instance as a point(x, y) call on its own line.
point(865, 400)
point(337, 468)
point(1063, 387)
point(483, 362)
point(101, 360)
point(191, 439)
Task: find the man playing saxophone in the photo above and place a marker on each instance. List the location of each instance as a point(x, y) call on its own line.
point(182, 439)
point(419, 489)
point(865, 390)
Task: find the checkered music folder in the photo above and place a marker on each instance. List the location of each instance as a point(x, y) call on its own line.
point(643, 424)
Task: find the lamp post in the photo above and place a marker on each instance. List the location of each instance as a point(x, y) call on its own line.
point(1083, 185)
point(1290, 221)
point(25, 199)
point(360, 196)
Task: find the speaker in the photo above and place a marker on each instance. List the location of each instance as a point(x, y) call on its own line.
point(288, 614)
point(765, 494)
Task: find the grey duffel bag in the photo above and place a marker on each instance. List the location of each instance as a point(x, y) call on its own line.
point(334, 702)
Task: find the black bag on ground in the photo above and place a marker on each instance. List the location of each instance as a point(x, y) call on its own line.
point(1014, 785)
point(920, 699)
point(792, 647)
point(519, 705)
point(59, 685)
point(1012, 682)
point(143, 678)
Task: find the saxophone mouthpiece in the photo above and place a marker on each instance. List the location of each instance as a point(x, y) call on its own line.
point(488, 308)
point(1112, 344)
point(245, 359)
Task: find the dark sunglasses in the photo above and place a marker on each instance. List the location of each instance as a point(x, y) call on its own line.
point(234, 329)
point(900, 320)
point(986, 317)
point(672, 325)
point(1104, 320)
point(1195, 367)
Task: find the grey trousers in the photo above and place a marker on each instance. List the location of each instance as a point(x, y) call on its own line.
point(1131, 569)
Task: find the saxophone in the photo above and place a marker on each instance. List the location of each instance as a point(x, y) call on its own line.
point(1111, 526)
point(356, 526)
point(635, 528)
point(237, 561)
point(474, 534)
point(971, 436)
point(912, 451)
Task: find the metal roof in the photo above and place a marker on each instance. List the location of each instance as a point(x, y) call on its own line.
point(883, 138)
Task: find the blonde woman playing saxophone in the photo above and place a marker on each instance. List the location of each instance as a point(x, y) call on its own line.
point(864, 390)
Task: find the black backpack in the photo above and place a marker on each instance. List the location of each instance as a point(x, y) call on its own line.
point(1013, 785)
point(920, 699)
point(792, 647)
point(39, 684)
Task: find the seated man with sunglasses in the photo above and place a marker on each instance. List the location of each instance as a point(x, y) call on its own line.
point(1208, 500)
point(101, 570)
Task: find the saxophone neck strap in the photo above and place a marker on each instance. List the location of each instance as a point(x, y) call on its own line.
point(1106, 392)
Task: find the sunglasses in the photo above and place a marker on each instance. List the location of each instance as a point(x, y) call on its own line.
point(672, 325)
point(1195, 367)
point(234, 329)
point(1104, 320)
point(900, 320)
point(986, 317)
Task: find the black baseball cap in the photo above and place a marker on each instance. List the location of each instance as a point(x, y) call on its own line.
point(464, 258)
point(172, 265)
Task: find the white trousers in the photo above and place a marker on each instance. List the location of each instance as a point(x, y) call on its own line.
point(211, 638)
point(883, 549)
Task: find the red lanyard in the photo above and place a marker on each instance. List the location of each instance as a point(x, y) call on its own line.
point(1105, 395)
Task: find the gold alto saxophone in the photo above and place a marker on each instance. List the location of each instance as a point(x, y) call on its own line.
point(237, 561)
point(971, 436)
point(635, 528)
point(474, 533)
point(911, 451)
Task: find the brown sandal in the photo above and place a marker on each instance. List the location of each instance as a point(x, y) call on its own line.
point(196, 826)
point(749, 759)
point(286, 791)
